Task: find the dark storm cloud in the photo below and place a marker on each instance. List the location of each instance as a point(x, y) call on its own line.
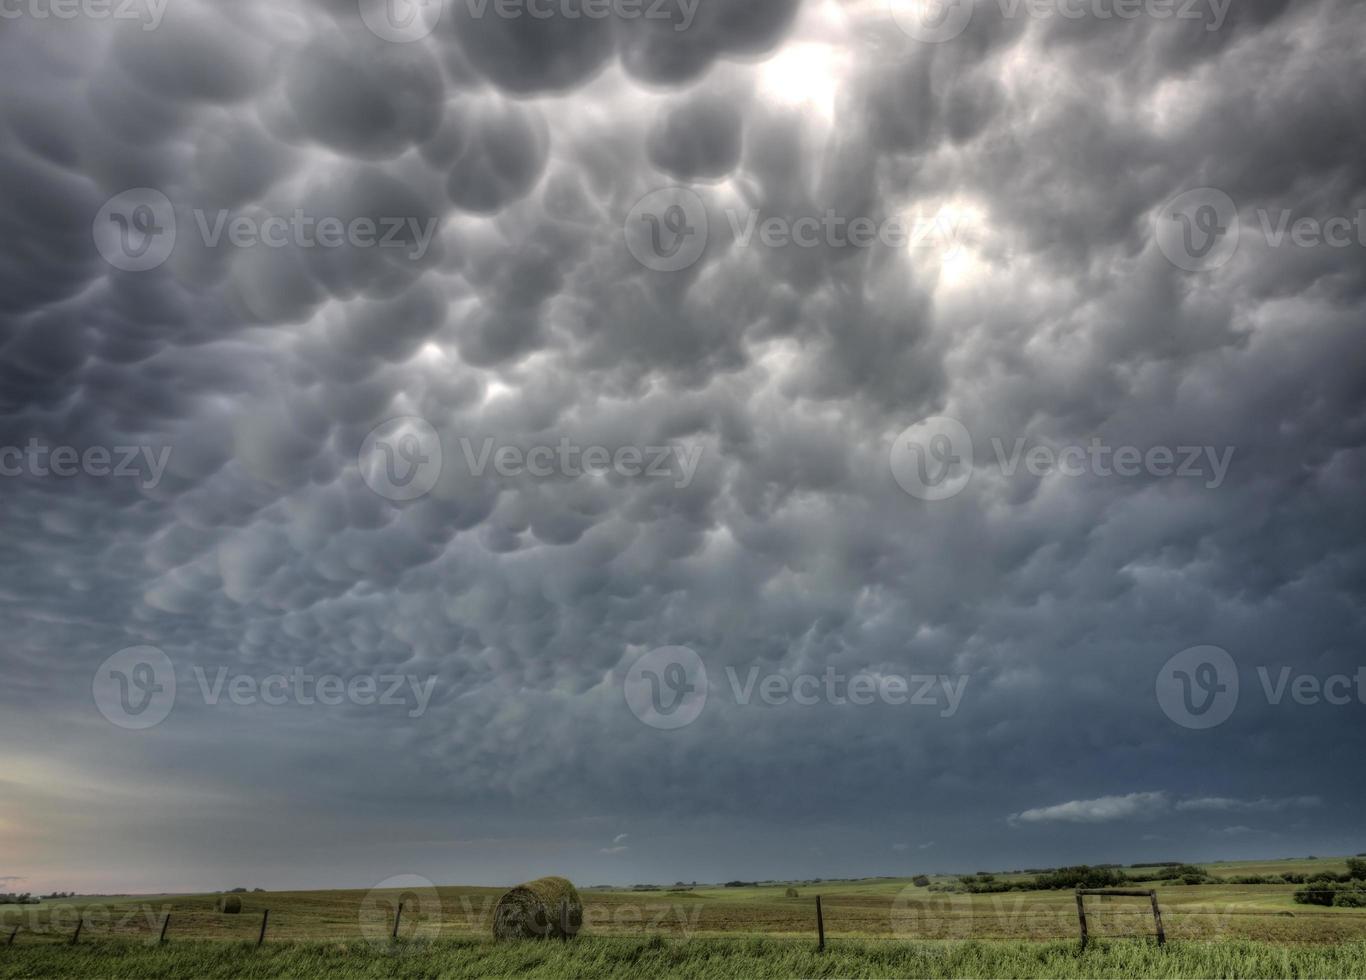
point(523, 144)
point(697, 139)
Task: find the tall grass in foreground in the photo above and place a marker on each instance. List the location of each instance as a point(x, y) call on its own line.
point(636, 959)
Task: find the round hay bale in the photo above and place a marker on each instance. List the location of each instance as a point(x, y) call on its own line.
point(547, 908)
point(230, 905)
point(792, 893)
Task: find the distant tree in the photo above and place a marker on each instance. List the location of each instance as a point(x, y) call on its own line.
point(1314, 896)
point(1356, 867)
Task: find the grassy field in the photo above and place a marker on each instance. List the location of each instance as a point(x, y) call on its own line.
point(703, 958)
point(874, 927)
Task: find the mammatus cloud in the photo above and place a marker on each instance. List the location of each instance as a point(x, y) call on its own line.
point(335, 232)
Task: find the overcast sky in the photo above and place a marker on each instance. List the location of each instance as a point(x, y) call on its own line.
point(557, 383)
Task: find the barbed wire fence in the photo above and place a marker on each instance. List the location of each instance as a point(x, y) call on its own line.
point(942, 918)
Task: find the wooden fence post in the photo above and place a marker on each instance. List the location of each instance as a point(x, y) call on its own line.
point(12, 935)
point(265, 917)
point(398, 914)
point(165, 922)
point(75, 936)
point(820, 926)
point(1157, 919)
point(1081, 916)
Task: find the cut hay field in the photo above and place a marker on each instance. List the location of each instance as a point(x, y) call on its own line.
point(874, 927)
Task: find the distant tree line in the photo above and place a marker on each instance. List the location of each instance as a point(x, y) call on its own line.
point(1326, 887)
point(1338, 890)
point(1077, 876)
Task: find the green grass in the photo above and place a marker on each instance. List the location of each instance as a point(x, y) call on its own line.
point(707, 958)
point(876, 927)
